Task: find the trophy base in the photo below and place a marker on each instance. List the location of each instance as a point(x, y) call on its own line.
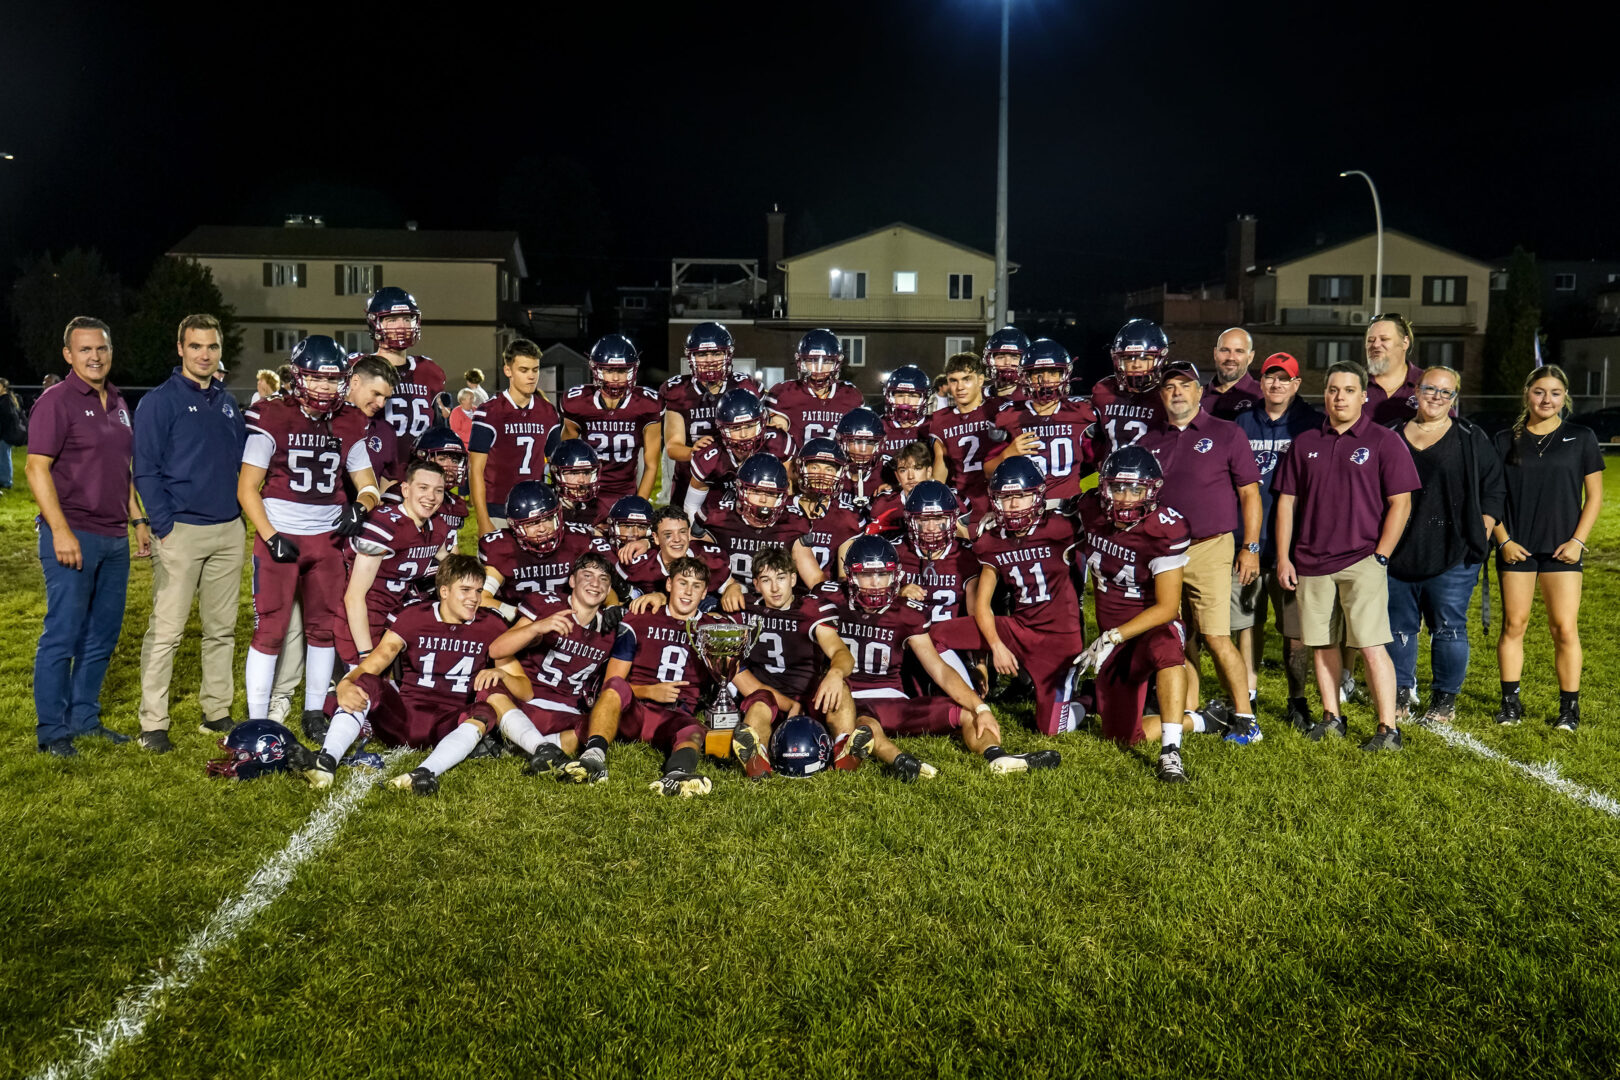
point(717, 744)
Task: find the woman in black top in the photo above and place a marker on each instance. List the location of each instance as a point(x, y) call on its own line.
point(1550, 464)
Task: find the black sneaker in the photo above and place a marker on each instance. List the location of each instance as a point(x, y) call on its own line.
point(321, 771)
point(682, 785)
point(156, 741)
point(1328, 725)
point(315, 723)
point(222, 726)
point(489, 745)
point(589, 768)
point(908, 769)
point(102, 731)
point(1299, 717)
point(1569, 718)
point(1386, 738)
point(1170, 770)
point(421, 780)
point(1218, 717)
point(548, 758)
point(1442, 707)
point(1035, 759)
point(1511, 712)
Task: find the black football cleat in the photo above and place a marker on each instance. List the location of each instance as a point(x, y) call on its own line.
point(589, 768)
point(908, 770)
point(548, 758)
point(315, 723)
point(1299, 718)
point(682, 785)
point(420, 780)
point(156, 741)
point(320, 771)
point(1511, 712)
point(1038, 759)
point(1568, 718)
point(1442, 707)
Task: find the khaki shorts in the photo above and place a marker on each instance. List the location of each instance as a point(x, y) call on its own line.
point(1249, 603)
point(1206, 586)
point(1360, 592)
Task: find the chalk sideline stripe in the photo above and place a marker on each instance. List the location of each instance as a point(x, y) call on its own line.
point(1546, 774)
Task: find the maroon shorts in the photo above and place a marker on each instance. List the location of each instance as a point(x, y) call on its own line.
point(1046, 654)
point(911, 716)
point(553, 721)
point(378, 608)
point(414, 721)
point(649, 722)
point(778, 714)
point(317, 577)
point(1122, 683)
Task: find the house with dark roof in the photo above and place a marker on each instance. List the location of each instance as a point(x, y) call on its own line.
point(304, 278)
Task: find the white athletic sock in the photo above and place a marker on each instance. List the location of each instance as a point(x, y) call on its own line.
point(1170, 735)
point(257, 678)
point(318, 664)
point(453, 749)
point(1254, 696)
point(1195, 720)
point(341, 734)
point(521, 730)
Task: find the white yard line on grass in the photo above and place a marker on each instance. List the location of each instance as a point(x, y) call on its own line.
point(141, 1001)
point(1546, 774)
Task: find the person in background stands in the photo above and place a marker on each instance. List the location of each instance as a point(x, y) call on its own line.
point(189, 436)
point(475, 383)
point(461, 417)
point(13, 431)
point(80, 446)
point(267, 385)
point(1232, 390)
point(1436, 564)
point(1554, 473)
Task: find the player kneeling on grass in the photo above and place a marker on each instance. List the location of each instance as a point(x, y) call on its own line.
point(651, 687)
point(562, 643)
point(878, 625)
point(1133, 550)
point(442, 647)
point(778, 679)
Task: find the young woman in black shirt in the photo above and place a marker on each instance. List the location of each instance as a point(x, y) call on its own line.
point(1554, 472)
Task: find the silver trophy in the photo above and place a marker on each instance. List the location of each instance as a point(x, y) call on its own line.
point(721, 646)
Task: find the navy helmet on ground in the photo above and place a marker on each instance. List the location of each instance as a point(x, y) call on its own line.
point(255, 748)
point(800, 746)
point(388, 302)
point(532, 509)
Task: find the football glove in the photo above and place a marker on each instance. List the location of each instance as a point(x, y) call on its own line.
point(282, 550)
point(352, 520)
point(1096, 654)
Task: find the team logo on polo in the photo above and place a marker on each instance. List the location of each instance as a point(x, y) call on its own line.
point(1360, 455)
point(374, 443)
point(1204, 446)
point(1265, 461)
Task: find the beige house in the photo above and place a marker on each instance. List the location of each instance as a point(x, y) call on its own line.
point(287, 283)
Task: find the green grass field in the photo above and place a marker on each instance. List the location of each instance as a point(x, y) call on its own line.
point(1298, 910)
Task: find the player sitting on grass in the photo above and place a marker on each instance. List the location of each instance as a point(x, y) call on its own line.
point(878, 625)
point(651, 687)
point(443, 650)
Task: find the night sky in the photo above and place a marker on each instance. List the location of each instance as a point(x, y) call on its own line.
point(615, 140)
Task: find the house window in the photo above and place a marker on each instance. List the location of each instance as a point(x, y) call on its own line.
point(854, 350)
point(1335, 288)
point(905, 281)
point(1396, 286)
point(358, 280)
point(639, 303)
point(847, 285)
point(1328, 351)
point(954, 345)
point(356, 341)
point(1448, 353)
point(1445, 291)
point(277, 274)
point(1499, 280)
point(1564, 282)
point(961, 287)
point(281, 342)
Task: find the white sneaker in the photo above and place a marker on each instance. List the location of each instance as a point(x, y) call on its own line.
point(280, 706)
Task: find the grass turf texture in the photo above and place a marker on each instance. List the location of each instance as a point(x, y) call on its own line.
point(1296, 910)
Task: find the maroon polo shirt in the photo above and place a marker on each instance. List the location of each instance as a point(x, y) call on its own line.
point(1341, 483)
point(1226, 404)
point(91, 447)
point(1386, 407)
point(1204, 464)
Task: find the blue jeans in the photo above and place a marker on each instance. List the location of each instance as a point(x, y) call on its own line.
point(5, 464)
point(1441, 603)
point(84, 611)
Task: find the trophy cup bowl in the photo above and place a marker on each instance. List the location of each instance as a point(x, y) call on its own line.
point(722, 645)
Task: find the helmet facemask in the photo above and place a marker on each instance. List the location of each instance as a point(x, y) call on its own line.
point(818, 370)
point(395, 339)
point(743, 438)
point(873, 590)
point(1019, 510)
point(540, 535)
point(1129, 498)
point(758, 505)
point(710, 366)
point(319, 401)
point(578, 484)
point(1139, 382)
point(931, 533)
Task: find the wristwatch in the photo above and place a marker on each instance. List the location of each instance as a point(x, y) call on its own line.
point(1252, 549)
point(1383, 560)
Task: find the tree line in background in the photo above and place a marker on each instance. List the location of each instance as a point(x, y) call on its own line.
point(51, 290)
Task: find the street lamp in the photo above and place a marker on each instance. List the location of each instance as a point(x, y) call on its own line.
point(1001, 179)
point(1378, 218)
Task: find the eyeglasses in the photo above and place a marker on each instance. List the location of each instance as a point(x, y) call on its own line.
point(1437, 392)
point(1395, 317)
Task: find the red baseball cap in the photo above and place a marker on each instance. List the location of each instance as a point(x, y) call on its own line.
point(1282, 360)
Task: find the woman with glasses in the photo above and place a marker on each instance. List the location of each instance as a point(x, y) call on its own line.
point(1554, 472)
point(1437, 563)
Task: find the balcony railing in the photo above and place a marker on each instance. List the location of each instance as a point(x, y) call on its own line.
point(1302, 312)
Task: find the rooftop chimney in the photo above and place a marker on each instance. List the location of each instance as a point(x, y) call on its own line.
point(1240, 260)
point(775, 226)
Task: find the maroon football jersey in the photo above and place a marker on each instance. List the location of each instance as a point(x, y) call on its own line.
point(684, 395)
point(663, 653)
point(647, 572)
point(944, 579)
point(453, 511)
point(440, 658)
point(897, 438)
point(714, 467)
point(1064, 446)
point(786, 657)
point(742, 541)
point(523, 572)
point(590, 514)
point(830, 530)
point(967, 442)
point(409, 551)
point(382, 446)
point(811, 417)
point(616, 434)
point(1122, 418)
point(1035, 566)
point(410, 410)
point(877, 642)
point(565, 670)
point(309, 456)
point(1123, 562)
point(515, 439)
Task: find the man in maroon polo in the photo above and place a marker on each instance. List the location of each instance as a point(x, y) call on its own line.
point(1343, 497)
point(1209, 474)
point(1232, 389)
point(1393, 380)
point(81, 444)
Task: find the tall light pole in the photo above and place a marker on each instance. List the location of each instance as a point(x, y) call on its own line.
point(1378, 218)
point(1000, 319)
